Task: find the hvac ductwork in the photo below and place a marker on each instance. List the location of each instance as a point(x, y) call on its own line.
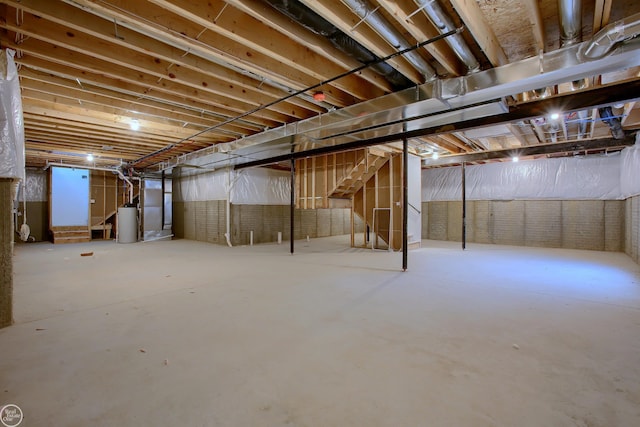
point(317, 24)
point(436, 103)
point(443, 23)
point(570, 16)
point(611, 35)
point(379, 23)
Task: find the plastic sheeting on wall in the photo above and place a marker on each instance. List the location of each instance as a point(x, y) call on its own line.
point(35, 186)
point(11, 120)
point(200, 187)
point(262, 187)
point(630, 170)
point(577, 178)
point(258, 186)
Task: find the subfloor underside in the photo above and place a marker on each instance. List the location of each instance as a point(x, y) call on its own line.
point(194, 334)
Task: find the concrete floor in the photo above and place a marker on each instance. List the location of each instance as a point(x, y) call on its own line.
point(187, 333)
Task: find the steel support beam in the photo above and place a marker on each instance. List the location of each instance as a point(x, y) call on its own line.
point(405, 201)
point(574, 101)
point(464, 207)
point(292, 209)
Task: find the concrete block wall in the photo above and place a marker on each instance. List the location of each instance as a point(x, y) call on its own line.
point(206, 221)
point(574, 224)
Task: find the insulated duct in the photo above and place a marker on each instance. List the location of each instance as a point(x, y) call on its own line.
point(318, 25)
point(441, 103)
point(611, 35)
point(570, 17)
point(443, 23)
point(379, 23)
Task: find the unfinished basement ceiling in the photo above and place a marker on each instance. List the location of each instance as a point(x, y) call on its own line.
point(193, 75)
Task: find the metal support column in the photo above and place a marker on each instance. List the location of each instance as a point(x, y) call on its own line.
point(293, 205)
point(405, 200)
point(464, 207)
point(162, 201)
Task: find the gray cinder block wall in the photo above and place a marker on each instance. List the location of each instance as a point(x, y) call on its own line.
point(572, 224)
point(206, 221)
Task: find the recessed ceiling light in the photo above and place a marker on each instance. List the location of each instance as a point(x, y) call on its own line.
point(135, 124)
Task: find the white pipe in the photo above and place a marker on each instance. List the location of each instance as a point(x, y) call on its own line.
point(96, 168)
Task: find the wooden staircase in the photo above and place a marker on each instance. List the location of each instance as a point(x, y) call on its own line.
point(359, 175)
point(73, 234)
point(99, 223)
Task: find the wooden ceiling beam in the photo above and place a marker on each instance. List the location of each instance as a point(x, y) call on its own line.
point(601, 14)
point(193, 37)
point(314, 42)
point(94, 147)
point(344, 19)
point(422, 29)
point(87, 102)
point(78, 20)
point(41, 142)
point(83, 63)
point(228, 21)
point(155, 69)
point(537, 25)
point(84, 115)
point(50, 92)
point(66, 106)
point(87, 130)
point(119, 87)
point(474, 20)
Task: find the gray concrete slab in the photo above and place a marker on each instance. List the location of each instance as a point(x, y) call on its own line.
point(190, 333)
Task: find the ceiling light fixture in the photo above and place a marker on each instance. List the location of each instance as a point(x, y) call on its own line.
point(135, 124)
point(515, 159)
point(435, 156)
point(89, 157)
point(554, 116)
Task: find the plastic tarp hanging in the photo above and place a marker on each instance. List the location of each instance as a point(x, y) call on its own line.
point(11, 119)
point(262, 187)
point(248, 187)
point(630, 170)
point(35, 186)
point(200, 187)
point(577, 178)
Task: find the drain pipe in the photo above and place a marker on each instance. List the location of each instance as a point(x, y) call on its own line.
point(606, 39)
point(443, 23)
point(607, 116)
point(367, 13)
